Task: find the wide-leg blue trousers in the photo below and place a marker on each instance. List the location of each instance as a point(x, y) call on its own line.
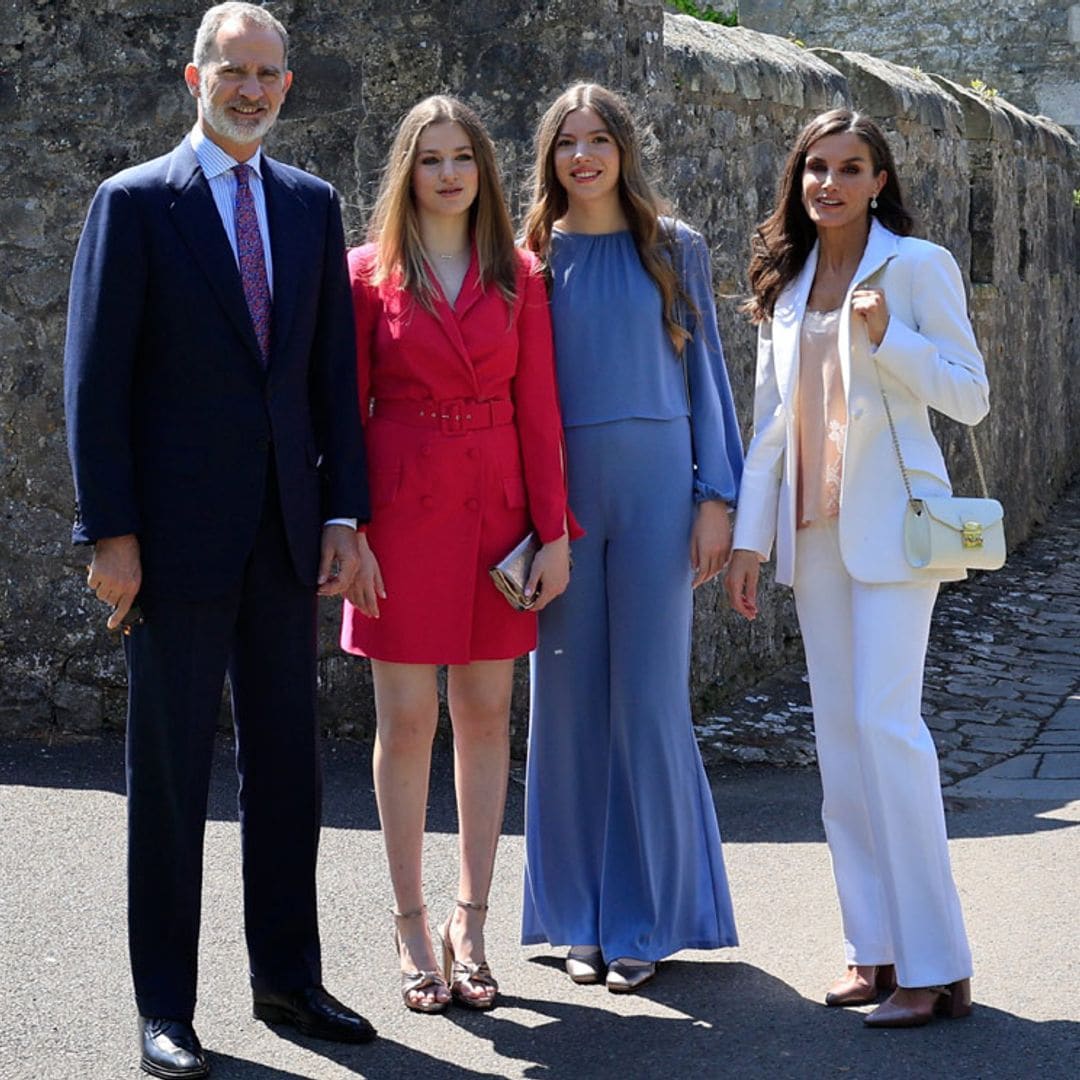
point(622, 844)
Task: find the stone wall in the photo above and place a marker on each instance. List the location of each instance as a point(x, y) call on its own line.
point(86, 90)
point(1027, 49)
point(990, 183)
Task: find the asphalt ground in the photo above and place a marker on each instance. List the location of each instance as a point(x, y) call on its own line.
point(748, 1012)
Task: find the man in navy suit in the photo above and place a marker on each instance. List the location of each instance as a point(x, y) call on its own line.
point(219, 470)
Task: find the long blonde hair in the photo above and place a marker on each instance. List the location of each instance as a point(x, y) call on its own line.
point(641, 204)
point(395, 226)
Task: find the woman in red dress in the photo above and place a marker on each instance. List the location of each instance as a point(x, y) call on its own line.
point(457, 390)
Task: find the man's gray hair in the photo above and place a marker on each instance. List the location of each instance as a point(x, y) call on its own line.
point(220, 14)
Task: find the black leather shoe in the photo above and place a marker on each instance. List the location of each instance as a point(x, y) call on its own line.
point(171, 1049)
point(312, 1011)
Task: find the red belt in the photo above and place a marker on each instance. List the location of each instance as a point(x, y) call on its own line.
point(453, 417)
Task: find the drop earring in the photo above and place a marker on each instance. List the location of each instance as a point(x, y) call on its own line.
point(873, 203)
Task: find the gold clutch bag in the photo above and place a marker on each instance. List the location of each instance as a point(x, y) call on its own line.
point(511, 573)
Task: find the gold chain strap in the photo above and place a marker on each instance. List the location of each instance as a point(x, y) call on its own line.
point(978, 462)
point(900, 456)
point(892, 429)
point(868, 283)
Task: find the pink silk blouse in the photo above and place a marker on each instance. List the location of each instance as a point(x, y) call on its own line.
point(821, 418)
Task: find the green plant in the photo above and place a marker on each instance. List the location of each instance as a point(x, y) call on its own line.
point(982, 89)
point(707, 13)
point(1076, 198)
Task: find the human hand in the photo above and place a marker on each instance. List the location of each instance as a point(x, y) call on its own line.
point(550, 572)
point(115, 574)
point(741, 582)
point(871, 306)
point(367, 587)
point(339, 560)
point(710, 540)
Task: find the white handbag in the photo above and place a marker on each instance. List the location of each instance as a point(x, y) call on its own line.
point(945, 532)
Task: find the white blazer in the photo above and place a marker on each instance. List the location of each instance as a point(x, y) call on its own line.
point(928, 359)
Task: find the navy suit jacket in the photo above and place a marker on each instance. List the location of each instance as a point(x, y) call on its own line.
point(171, 418)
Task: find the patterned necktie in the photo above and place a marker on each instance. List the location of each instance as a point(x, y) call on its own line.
point(249, 248)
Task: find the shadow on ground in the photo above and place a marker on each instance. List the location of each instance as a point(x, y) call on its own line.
point(732, 1016)
point(742, 792)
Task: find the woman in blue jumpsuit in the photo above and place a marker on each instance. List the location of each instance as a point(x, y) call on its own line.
point(623, 859)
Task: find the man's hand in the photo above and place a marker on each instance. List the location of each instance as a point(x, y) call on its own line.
point(340, 560)
point(116, 574)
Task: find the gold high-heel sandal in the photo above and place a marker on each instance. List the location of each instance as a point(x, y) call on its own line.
point(460, 972)
point(418, 981)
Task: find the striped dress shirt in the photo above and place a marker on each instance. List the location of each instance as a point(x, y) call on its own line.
point(217, 167)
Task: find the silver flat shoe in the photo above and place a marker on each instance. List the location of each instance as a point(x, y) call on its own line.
point(585, 964)
point(626, 974)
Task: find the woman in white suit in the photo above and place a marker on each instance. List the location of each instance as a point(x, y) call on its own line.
point(839, 288)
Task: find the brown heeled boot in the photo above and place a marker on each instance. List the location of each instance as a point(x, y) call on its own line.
point(949, 1002)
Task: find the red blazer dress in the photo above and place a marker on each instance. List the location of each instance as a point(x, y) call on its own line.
point(464, 444)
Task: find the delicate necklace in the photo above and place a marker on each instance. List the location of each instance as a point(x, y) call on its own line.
point(452, 255)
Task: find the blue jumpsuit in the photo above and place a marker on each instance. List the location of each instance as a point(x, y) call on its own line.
point(622, 844)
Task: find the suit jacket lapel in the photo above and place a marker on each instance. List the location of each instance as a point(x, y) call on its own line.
point(199, 223)
point(288, 217)
point(471, 292)
point(787, 327)
point(450, 317)
point(880, 248)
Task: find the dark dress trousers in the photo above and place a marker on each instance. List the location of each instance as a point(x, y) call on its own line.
point(225, 471)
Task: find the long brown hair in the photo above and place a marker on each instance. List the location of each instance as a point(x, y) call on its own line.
point(781, 243)
point(395, 226)
point(641, 205)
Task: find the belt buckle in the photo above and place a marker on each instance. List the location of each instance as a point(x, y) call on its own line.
point(452, 417)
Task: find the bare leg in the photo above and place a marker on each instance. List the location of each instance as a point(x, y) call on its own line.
point(407, 707)
point(479, 696)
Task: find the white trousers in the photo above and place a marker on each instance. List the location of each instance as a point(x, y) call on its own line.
point(884, 820)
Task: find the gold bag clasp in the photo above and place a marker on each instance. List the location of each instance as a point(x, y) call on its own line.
point(972, 534)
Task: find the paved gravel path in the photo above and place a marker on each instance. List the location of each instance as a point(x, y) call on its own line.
point(1002, 694)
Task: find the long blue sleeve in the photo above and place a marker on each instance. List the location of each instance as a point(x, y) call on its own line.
point(718, 455)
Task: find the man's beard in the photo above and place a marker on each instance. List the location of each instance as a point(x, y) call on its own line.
point(219, 119)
